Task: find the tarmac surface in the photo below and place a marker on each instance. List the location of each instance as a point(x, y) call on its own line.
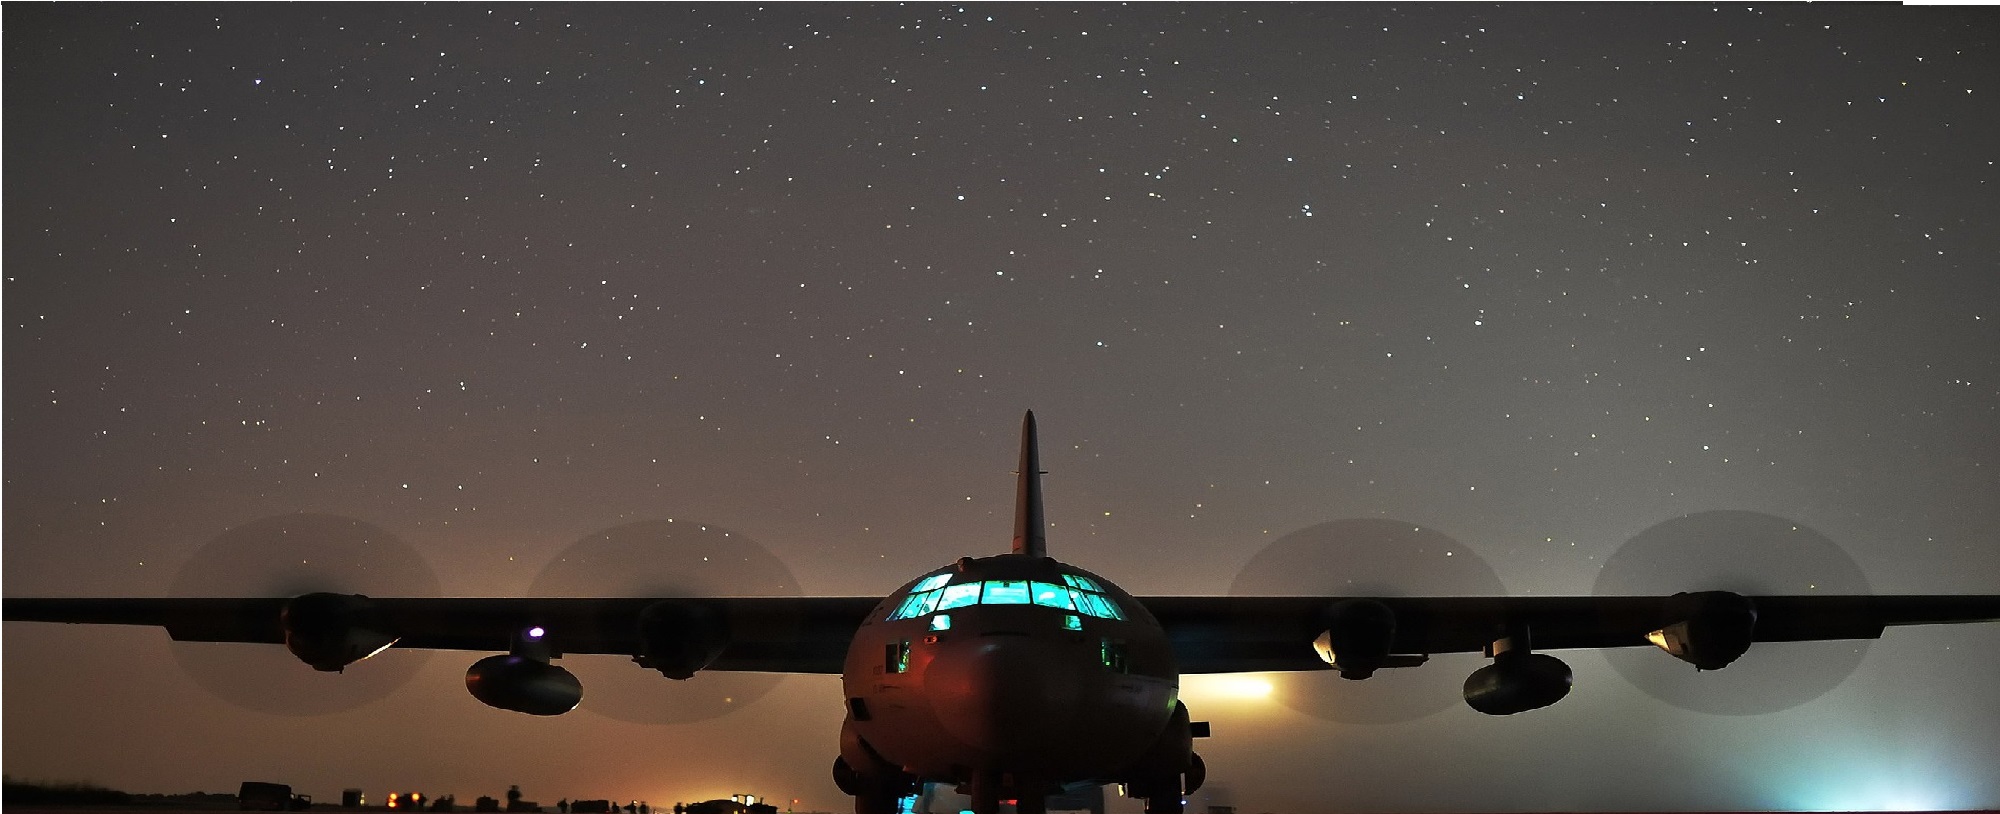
point(329, 809)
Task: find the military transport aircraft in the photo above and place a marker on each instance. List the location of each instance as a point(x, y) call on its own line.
point(1016, 676)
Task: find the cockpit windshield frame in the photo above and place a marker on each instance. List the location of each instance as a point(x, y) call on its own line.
point(1077, 594)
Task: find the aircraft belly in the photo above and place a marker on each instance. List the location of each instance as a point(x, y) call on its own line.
point(1029, 705)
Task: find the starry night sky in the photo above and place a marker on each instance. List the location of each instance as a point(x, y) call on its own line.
point(497, 279)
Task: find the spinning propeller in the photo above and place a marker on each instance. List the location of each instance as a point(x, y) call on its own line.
point(664, 558)
point(289, 555)
point(1748, 553)
point(1745, 552)
point(1367, 557)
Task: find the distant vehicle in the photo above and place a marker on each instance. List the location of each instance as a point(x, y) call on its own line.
point(730, 807)
point(255, 796)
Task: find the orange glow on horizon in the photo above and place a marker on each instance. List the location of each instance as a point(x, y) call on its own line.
point(1228, 687)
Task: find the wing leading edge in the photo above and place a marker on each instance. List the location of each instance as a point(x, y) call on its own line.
point(760, 634)
point(1210, 634)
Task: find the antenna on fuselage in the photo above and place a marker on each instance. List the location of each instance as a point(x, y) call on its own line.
point(1029, 536)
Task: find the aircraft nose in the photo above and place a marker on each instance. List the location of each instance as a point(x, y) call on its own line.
point(1005, 692)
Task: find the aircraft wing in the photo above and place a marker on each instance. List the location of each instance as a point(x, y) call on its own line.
point(764, 634)
point(1209, 634)
point(1224, 634)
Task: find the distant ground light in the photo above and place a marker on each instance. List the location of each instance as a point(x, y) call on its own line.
point(1227, 687)
point(1857, 786)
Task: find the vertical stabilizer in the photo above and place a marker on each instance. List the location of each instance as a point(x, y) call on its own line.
point(1029, 538)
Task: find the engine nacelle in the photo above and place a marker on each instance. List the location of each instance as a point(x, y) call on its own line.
point(1358, 637)
point(523, 685)
point(680, 639)
point(330, 631)
point(1517, 682)
point(1715, 628)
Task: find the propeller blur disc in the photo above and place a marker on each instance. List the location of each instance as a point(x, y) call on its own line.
point(664, 558)
point(1367, 557)
point(1749, 553)
point(288, 555)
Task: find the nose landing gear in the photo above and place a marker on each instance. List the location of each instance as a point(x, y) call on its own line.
point(987, 790)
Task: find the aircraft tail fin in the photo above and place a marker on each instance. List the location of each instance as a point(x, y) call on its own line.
point(1029, 536)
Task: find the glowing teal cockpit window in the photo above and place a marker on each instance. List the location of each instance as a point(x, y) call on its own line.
point(1097, 605)
point(1072, 621)
point(1082, 605)
point(1005, 592)
point(917, 605)
point(941, 621)
point(1053, 596)
point(959, 596)
point(933, 593)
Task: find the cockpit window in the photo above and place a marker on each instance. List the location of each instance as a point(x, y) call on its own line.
point(1080, 594)
point(1100, 605)
point(917, 605)
point(1085, 583)
point(1005, 592)
point(959, 596)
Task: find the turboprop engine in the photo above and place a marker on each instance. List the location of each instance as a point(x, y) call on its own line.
point(330, 631)
point(1713, 629)
point(1358, 635)
point(680, 639)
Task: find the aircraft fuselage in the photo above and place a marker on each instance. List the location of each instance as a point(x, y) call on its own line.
point(1011, 676)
